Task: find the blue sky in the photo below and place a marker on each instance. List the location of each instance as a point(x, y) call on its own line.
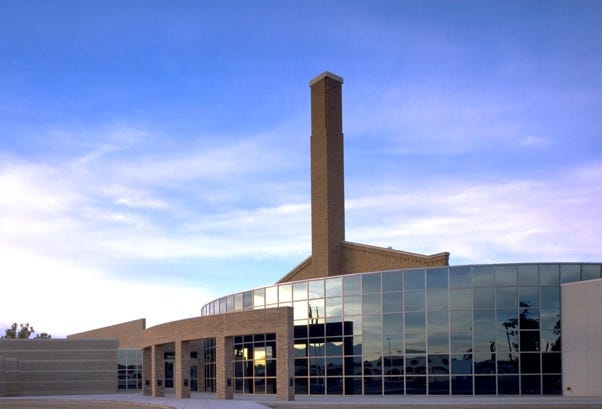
point(154, 155)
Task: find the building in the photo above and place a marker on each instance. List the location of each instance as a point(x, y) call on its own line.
point(354, 319)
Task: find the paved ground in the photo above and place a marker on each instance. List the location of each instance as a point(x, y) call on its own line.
point(208, 401)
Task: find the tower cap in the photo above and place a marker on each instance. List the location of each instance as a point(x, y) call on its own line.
point(326, 74)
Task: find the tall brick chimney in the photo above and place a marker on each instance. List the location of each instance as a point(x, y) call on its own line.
point(327, 179)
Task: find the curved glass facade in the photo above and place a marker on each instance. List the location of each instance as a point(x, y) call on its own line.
point(459, 330)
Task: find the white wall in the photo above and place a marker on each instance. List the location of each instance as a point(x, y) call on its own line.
point(581, 322)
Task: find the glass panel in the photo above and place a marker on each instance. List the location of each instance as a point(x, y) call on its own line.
point(528, 274)
point(507, 319)
point(353, 305)
point(551, 363)
point(392, 323)
point(461, 342)
point(230, 303)
point(550, 341)
point(416, 385)
point(352, 285)
point(460, 298)
point(334, 386)
point(461, 321)
point(550, 296)
point(247, 300)
point(271, 295)
point(301, 310)
point(333, 287)
point(415, 332)
point(530, 385)
point(505, 276)
point(285, 293)
point(372, 350)
point(549, 274)
point(484, 363)
point(334, 307)
point(415, 365)
point(392, 302)
point(371, 283)
point(436, 278)
point(392, 281)
point(316, 311)
point(300, 291)
point(238, 302)
point(414, 279)
point(529, 318)
point(437, 321)
point(316, 289)
point(506, 297)
point(334, 365)
point(507, 385)
point(461, 364)
point(552, 384)
point(414, 300)
point(259, 298)
point(459, 277)
point(507, 343)
point(590, 271)
point(507, 362)
point(570, 273)
point(483, 298)
point(438, 342)
point(371, 304)
point(437, 299)
point(438, 385)
point(393, 346)
point(550, 318)
point(529, 363)
point(528, 296)
point(482, 276)
point(372, 326)
point(461, 385)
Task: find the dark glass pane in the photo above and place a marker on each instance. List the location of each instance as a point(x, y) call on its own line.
point(414, 300)
point(392, 281)
point(301, 386)
point(334, 366)
point(507, 319)
point(552, 384)
point(529, 318)
point(371, 304)
point(352, 305)
point(550, 297)
point(507, 385)
point(392, 302)
point(505, 276)
point(484, 363)
point(301, 367)
point(353, 386)
point(529, 363)
point(436, 277)
point(483, 298)
point(316, 289)
point(551, 363)
point(461, 364)
point(352, 285)
point(528, 274)
point(530, 384)
point(460, 277)
point(415, 365)
point(247, 300)
point(461, 385)
point(414, 279)
point(394, 385)
point(438, 364)
point(507, 342)
point(529, 341)
point(507, 363)
point(356, 365)
point(316, 386)
point(373, 385)
point(528, 296)
point(550, 341)
point(460, 299)
point(371, 283)
point(392, 323)
point(482, 276)
point(334, 386)
point(570, 273)
point(438, 385)
point(549, 318)
point(549, 274)
point(484, 385)
point(590, 271)
point(415, 385)
point(333, 287)
point(436, 300)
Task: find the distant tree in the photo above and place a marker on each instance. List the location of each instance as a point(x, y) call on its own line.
point(22, 331)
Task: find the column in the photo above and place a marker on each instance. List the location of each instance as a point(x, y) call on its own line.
point(285, 364)
point(158, 371)
point(182, 369)
point(224, 367)
point(147, 363)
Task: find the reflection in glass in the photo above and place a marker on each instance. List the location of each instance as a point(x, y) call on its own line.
point(371, 304)
point(461, 364)
point(414, 279)
point(528, 274)
point(371, 283)
point(460, 299)
point(570, 273)
point(550, 318)
point(393, 323)
point(352, 305)
point(372, 349)
point(438, 321)
point(507, 342)
point(505, 276)
point(300, 291)
point(333, 287)
point(300, 310)
point(484, 363)
point(285, 293)
point(461, 342)
point(550, 297)
point(393, 345)
point(334, 307)
point(259, 298)
point(529, 318)
point(506, 297)
point(247, 300)
point(372, 326)
point(352, 285)
point(414, 300)
point(436, 300)
point(549, 274)
point(392, 302)
point(507, 385)
point(316, 289)
point(392, 281)
point(528, 296)
point(507, 363)
point(483, 298)
point(482, 276)
point(438, 342)
point(459, 277)
point(436, 277)
point(590, 271)
point(271, 295)
point(438, 385)
point(550, 341)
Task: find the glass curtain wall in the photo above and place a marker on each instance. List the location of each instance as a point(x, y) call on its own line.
point(460, 330)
